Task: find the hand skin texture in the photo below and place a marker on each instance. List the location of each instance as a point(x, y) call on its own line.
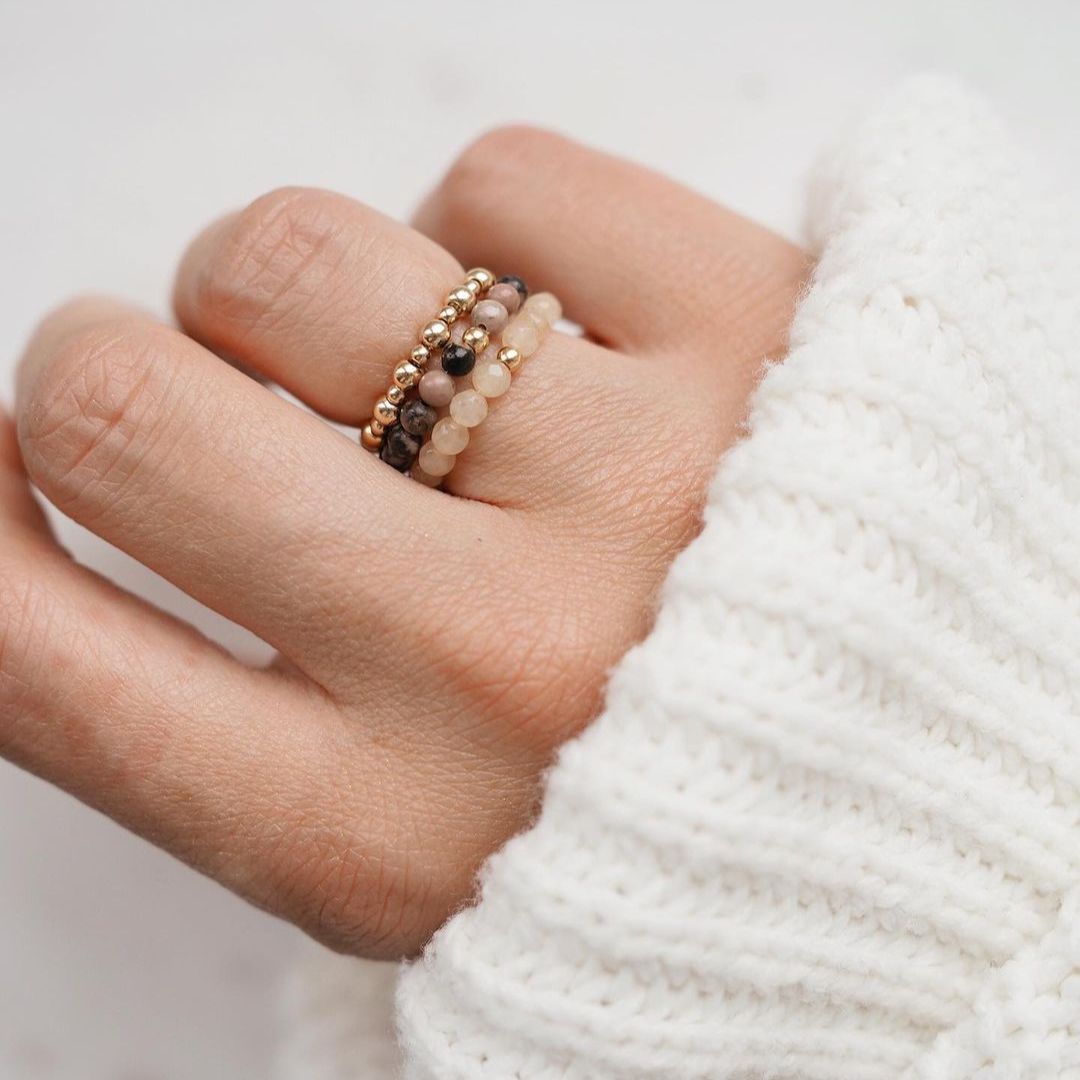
point(434, 650)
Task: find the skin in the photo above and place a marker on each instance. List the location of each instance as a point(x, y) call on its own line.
point(435, 648)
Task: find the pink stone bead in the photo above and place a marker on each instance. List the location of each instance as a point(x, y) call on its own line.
point(469, 408)
point(448, 437)
point(491, 315)
point(491, 378)
point(433, 461)
point(523, 334)
point(545, 305)
point(436, 388)
point(506, 295)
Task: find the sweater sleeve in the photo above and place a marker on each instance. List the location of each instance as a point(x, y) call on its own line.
point(826, 827)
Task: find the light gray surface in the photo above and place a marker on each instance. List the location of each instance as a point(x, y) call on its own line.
point(124, 127)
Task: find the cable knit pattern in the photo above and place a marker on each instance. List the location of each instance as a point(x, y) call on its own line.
point(827, 825)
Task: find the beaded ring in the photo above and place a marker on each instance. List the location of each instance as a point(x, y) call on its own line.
point(409, 410)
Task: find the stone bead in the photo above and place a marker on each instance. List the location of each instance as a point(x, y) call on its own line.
point(469, 408)
point(434, 462)
point(399, 448)
point(491, 315)
point(449, 437)
point(506, 295)
point(417, 418)
point(436, 388)
point(491, 378)
point(513, 279)
point(522, 334)
point(436, 334)
point(458, 359)
point(546, 305)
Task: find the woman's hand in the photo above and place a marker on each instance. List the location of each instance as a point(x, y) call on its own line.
point(435, 649)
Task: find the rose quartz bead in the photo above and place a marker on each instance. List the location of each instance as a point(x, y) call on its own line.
point(491, 378)
point(491, 315)
point(546, 305)
point(436, 388)
point(522, 334)
point(468, 408)
point(449, 437)
point(433, 461)
point(506, 295)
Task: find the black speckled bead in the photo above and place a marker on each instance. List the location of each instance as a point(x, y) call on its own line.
point(458, 359)
point(399, 448)
point(417, 418)
point(522, 288)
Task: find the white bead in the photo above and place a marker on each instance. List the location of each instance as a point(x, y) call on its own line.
point(491, 378)
point(469, 408)
point(522, 334)
point(546, 306)
point(433, 461)
point(448, 437)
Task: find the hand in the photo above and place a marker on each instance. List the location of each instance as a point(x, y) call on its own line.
point(435, 648)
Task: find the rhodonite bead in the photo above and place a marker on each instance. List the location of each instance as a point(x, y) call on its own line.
point(506, 295)
point(491, 315)
point(436, 388)
point(458, 359)
point(522, 334)
point(417, 417)
point(399, 448)
point(546, 305)
point(468, 408)
point(433, 461)
point(513, 279)
point(491, 378)
point(449, 437)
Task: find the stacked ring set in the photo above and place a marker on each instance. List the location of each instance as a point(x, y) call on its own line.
point(466, 356)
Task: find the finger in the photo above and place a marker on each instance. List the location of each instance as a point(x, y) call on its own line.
point(246, 502)
point(638, 260)
point(316, 291)
point(19, 506)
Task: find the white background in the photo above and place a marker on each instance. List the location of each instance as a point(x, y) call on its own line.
point(126, 126)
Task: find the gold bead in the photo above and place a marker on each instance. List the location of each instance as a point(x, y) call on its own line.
point(436, 334)
point(368, 439)
point(476, 338)
point(449, 315)
point(376, 428)
point(421, 355)
point(461, 300)
point(385, 412)
point(484, 278)
point(473, 286)
point(511, 357)
point(395, 395)
point(407, 374)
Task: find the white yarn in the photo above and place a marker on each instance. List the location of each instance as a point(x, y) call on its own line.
point(827, 826)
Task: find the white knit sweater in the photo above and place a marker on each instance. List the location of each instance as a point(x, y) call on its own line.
point(827, 826)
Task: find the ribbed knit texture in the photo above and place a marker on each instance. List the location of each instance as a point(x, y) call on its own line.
point(827, 826)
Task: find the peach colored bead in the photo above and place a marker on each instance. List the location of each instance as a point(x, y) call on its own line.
point(522, 334)
point(506, 295)
point(491, 315)
point(449, 437)
point(468, 408)
point(491, 378)
point(433, 461)
point(425, 478)
point(546, 305)
point(436, 388)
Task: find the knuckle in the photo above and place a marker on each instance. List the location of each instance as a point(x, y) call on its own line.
point(276, 256)
point(493, 160)
point(92, 408)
